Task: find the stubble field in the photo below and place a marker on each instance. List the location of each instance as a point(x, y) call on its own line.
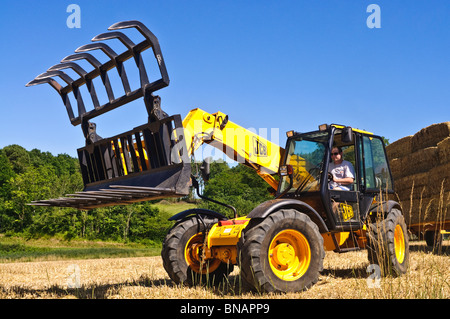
point(344, 276)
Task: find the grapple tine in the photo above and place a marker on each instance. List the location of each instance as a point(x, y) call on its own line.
point(151, 38)
point(82, 73)
point(98, 46)
point(131, 47)
point(69, 65)
point(50, 81)
point(115, 35)
point(69, 81)
point(96, 64)
point(79, 56)
point(58, 88)
point(113, 56)
point(50, 74)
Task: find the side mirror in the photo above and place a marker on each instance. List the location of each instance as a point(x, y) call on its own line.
point(205, 170)
point(347, 135)
point(286, 170)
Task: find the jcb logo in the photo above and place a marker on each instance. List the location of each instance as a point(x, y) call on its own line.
point(347, 211)
point(259, 148)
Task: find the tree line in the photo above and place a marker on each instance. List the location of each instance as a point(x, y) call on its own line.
point(26, 176)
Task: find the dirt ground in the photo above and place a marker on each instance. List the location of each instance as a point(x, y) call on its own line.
point(344, 276)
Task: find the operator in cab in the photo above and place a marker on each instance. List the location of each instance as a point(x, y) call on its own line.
point(341, 171)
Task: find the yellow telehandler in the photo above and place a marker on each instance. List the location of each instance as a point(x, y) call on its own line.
point(280, 245)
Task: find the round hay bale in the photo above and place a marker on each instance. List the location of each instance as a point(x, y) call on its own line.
point(430, 136)
point(399, 148)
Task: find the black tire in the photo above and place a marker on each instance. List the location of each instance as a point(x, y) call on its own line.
point(258, 265)
point(209, 272)
point(388, 244)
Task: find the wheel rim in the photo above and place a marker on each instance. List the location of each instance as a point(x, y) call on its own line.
point(193, 256)
point(289, 255)
point(399, 244)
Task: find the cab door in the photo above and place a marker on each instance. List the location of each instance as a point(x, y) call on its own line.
point(345, 204)
point(375, 178)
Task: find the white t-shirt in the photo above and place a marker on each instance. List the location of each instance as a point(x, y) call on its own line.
point(343, 170)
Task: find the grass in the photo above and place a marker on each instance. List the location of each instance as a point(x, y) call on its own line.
point(15, 249)
point(344, 276)
point(175, 207)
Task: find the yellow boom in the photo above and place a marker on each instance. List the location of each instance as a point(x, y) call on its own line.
point(236, 142)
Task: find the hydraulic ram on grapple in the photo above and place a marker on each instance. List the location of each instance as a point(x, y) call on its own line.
point(144, 163)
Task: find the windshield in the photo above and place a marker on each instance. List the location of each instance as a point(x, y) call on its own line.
point(305, 154)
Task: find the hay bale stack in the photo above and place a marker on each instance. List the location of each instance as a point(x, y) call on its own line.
point(420, 166)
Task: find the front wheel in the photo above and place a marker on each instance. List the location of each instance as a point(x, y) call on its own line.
point(183, 254)
point(281, 253)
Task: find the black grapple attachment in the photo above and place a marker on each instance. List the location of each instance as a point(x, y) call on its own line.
point(147, 162)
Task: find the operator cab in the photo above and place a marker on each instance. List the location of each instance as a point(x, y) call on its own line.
point(308, 155)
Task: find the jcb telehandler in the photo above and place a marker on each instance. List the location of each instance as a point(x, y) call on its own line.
point(280, 245)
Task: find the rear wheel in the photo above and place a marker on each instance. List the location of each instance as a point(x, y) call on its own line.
point(388, 243)
point(183, 254)
point(281, 253)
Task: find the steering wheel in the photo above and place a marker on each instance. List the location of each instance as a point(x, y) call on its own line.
point(330, 177)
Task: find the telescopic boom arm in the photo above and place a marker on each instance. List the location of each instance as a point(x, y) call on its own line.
point(238, 143)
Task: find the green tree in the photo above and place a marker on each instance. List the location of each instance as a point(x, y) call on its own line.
point(31, 184)
point(238, 186)
point(6, 173)
point(18, 157)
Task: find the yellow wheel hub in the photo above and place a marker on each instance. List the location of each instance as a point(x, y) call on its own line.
point(399, 244)
point(193, 256)
point(289, 255)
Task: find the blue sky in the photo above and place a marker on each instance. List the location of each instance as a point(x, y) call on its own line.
point(267, 64)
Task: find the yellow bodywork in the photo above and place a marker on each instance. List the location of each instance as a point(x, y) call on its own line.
point(119, 153)
point(248, 148)
point(238, 143)
point(223, 238)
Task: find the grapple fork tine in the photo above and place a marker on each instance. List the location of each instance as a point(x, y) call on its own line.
point(113, 56)
point(79, 56)
point(50, 74)
point(69, 81)
point(82, 73)
point(58, 88)
point(50, 81)
point(131, 47)
point(69, 65)
point(151, 38)
point(115, 35)
point(96, 64)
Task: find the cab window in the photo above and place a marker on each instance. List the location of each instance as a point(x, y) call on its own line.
point(376, 171)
